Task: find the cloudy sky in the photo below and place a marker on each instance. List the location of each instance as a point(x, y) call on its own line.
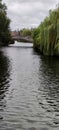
point(28, 13)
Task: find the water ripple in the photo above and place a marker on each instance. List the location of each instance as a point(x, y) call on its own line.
point(29, 90)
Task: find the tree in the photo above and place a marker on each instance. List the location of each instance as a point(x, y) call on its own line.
point(5, 36)
point(46, 36)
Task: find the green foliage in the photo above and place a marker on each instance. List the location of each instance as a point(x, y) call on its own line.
point(25, 32)
point(46, 36)
point(5, 36)
point(58, 29)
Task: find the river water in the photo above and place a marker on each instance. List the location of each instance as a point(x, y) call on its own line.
point(29, 89)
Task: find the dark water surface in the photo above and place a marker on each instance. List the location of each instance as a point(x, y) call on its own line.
point(29, 90)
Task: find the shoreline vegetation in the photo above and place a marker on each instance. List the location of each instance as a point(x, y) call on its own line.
point(46, 35)
point(5, 35)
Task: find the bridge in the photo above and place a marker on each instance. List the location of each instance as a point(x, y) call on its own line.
point(22, 39)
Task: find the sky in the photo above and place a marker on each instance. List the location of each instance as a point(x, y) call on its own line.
point(28, 13)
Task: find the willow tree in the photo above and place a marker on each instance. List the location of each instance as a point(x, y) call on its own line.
point(46, 36)
point(5, 36)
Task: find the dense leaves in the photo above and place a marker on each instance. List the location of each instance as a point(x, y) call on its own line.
point(25, 32)
point(46, 36)
point(5, 37)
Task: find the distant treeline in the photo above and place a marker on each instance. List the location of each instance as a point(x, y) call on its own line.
point(46, 35)
point(5, 36)
point(25, 32)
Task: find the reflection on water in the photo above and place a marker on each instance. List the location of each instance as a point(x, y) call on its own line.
point(4, 81)
point(4, 75)
point(49, 89)
point(30, 100)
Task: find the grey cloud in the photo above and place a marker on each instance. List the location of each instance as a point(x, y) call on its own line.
point(28, 13)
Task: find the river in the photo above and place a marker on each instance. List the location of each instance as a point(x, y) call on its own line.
point(29, 89)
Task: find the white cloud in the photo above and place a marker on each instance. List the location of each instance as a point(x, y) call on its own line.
point(28, 13)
